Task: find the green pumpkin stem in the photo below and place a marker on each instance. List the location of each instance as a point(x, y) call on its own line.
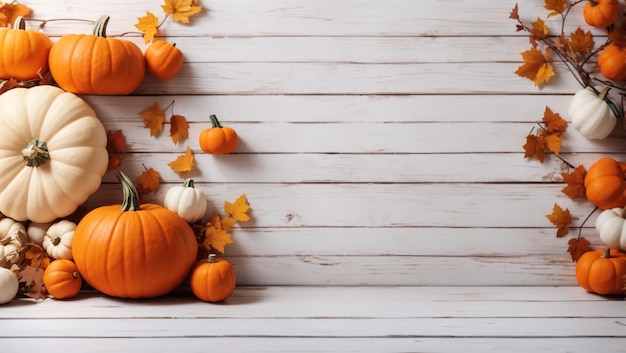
point(20, 23)
point(35, 153)
point(215, 122)
point(131, 197)
point(100, 26)
point(188, 183)
point(603, 95)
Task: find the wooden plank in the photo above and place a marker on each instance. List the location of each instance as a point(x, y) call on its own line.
point(319, 18)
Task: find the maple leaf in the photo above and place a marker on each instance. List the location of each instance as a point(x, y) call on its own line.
point(148, 181)
point(36, 256)
point(238, 210)
point(575, 182)
point(11, 11)
point(535, 146)
point(215, 235)
point(539, 28)
point(577, 247)
point(148, 25)
point(179, 128)
point(183, 164)
point(553, 122)
point(32, 277)
point(536, 66)
point(514, 13)
point(561, 220)
point(556, 6)
point(181, 10)
point(228, 222)
point(618, 35)
point(581, 42)
point(153, 118)
point(553, 143)
point(116, 144)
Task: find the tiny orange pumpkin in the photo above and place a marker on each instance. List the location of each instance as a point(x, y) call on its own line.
point(612, 62)
point(605, 185)
point(62, 279)
point(218, 139)
point(602, 271)
point(212, 280)
point(163, 59)
point(601, 13)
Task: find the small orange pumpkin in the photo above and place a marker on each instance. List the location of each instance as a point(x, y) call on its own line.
point(612, 62)
point(163, 59)
point(94, 64)
point(604, 183)
point(24, 53)
point(601, 13)
point(218, 139)
point(602, 271)
point(212, 280)
point(132, 250)
point(62, 279)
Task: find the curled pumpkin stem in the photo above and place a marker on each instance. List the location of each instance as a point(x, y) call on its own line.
point(131, 196)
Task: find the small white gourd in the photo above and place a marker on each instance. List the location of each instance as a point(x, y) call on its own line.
point(611, 227)
point(187, 201)
point(37, 231)
point(593, 113)
point(8, 285)
point(59, 238)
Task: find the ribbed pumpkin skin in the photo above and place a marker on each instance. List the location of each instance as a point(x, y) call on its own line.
point(605, 185)
point(212, 281)
point(601, 13)
point(134, 254)
point(163, 60)
point(612, 63)
point(24, 53)
point(62, 279)
point(218, 139)
point(602, 275)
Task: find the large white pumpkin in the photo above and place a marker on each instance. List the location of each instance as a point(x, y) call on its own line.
point(52, 153)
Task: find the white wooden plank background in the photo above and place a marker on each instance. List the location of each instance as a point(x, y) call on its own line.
point(381, 142)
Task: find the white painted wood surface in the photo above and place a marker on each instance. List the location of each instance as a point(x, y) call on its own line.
point(381, 141)
point(325, 319)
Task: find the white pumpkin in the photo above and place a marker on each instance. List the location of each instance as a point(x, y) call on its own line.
point(12, 235)
point(52, 153)
point(37, 231)
point(591, 115)
point(8, 285)
point(187, 201)
point(58, 240)
point(611, 227)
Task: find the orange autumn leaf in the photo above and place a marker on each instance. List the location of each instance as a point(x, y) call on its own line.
point(536, 66)
point(581, 42)
point(535, 146)
point(181, 10)
point(556, 7)
point(184, 163)
point(148, 25)
point(148, 181)
point(10, 11)
point(514, 14)
point(553, 122)
point(36, 256)
point(238, 210)
point(153, 118)
point(618, 35)
point(539, 28)
point(575, 182)
point(215, 236)
point(179, 128)
point(561, 220)
point(228, 222)
point(116, 144)
point(553, 143)
point(577, 247)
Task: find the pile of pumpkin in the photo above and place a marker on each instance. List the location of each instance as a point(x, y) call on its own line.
point(53, 156)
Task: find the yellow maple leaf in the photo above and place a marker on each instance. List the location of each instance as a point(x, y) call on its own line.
point(553, 142)
point(148, 25)
point(10, 12)
point(153, 118)
point(536, 66)
point(539, 28)
point(183, 164)
point(179, 128)
point(181, 10)
point(148, 181)
point(238, 210)
point(228, 222)
point(215, 235)
point(556, 6)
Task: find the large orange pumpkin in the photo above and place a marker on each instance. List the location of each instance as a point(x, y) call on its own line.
point(62, 279)
point(24, 54)
point(605, 185)
point(94, 64)
point(612, 62)
point(218, 139)
point(602, 271)
point(132, 250)
point(601, 13)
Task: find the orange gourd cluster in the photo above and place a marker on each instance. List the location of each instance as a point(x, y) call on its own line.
point(612, 59)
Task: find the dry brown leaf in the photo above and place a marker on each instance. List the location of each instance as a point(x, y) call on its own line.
point(556, 7)
point(179, 128)
point(575, 182)
point(577, 247)
point(535, 146)
point(148, 181)
point(116, 145)
point(536, 67)
point(553, 122)
point(561, 220)
point(581, 42)
point(31, 278)
point(153, 118)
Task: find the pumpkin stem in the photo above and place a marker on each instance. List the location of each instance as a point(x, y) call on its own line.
point(188, 183)
point(212, 258)
point(100, 26)
point(36, 153)
point(55, 240)
point(4, 241)
point(131, 197)
point(19, 23)
point(607, 253)
point(215, 122)
point(603, 95)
